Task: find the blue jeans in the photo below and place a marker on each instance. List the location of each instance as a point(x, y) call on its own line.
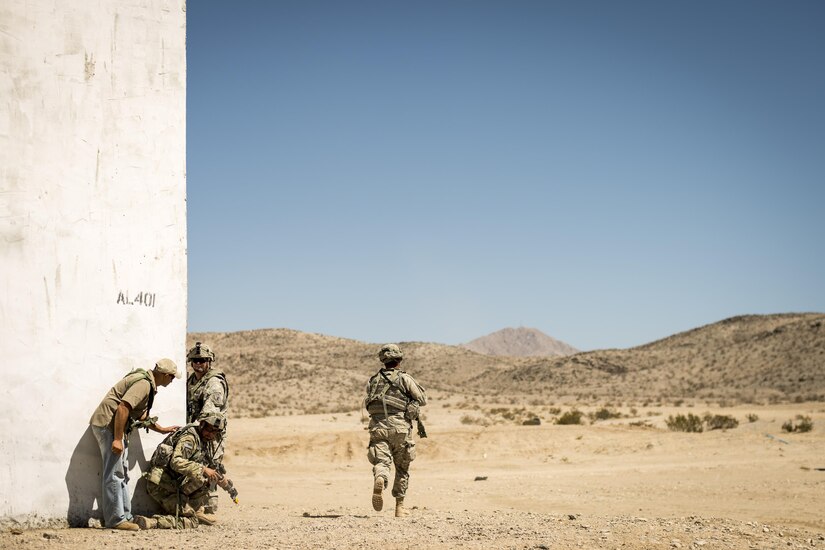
point(116, 504)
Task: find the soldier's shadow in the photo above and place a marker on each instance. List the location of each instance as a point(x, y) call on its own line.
point(83, 480)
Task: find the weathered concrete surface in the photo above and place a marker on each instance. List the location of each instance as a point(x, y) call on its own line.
point(92, 234)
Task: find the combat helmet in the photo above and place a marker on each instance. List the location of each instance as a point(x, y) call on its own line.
point(216, 421)
point(200, 351)
point(390, 352)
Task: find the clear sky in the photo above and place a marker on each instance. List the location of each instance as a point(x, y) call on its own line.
point(607, 172)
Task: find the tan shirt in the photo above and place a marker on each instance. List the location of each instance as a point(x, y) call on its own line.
point(137, 397)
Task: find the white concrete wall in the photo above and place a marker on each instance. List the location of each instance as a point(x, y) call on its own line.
point(92, 207)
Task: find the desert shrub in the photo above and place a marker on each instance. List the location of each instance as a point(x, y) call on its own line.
point(468, 419)
point(678, 402)
point(720, 422)
point(684, 423)
point(506, 413)
point(641, 424)
point(604, 414)
point(752, 417)
point(572, 416)
point(802, 424)
point(553, 410)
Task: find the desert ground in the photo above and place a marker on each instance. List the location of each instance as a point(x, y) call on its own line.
point(304, 482)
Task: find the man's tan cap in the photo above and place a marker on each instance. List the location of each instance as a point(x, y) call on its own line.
point(167, 366)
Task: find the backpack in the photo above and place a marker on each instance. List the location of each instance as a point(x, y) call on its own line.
point(163, 454)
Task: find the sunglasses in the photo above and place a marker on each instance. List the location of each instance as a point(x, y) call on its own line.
point(199, 361)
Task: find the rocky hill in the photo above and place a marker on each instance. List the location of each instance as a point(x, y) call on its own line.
point(754, 358)
point(520, 342)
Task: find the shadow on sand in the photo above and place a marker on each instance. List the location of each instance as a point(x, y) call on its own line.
point(83, 480)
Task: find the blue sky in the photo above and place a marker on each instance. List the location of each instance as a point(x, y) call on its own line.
point(607, 172)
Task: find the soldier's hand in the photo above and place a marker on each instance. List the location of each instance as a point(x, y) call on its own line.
point(224, 483)
point(210, 474)
point(117, 446)
point(168, 430)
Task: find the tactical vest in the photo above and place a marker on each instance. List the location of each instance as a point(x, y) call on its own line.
point(384, 398)
point(163, 454)
point(142, 374)
point(194, 404)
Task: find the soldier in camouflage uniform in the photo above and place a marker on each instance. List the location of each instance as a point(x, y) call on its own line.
point(181, 486)
point(207, 394)
point(393, 399)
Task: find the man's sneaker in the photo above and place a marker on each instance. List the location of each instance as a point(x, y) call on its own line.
point(146, 523)
point(126, 526)
point(377, 497)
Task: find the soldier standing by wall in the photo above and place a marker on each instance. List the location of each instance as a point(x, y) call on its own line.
point(207, 394)
point(128, 400)
point(393, 399)
point(180, 478)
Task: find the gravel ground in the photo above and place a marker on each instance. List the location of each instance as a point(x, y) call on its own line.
point(261, 529)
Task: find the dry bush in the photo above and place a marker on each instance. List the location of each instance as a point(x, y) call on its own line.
point(572, 416)
point(752, 417)
point(720, 422)
point(642, 424)
point(802, 424)
point(468, 419)
point(684, 423)
point(603, 414)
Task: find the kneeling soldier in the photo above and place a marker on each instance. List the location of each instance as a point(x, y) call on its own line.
point(179, 478)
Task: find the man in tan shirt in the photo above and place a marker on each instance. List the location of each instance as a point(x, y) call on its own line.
point(130, 398)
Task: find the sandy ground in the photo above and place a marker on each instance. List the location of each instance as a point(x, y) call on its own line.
point(305, 483)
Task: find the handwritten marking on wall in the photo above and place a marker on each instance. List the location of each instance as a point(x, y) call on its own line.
point(146, 299)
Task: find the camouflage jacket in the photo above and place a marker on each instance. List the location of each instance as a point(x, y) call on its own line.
point(209, 395)
point(184, 472)
point(188, 457)
point(387, 402)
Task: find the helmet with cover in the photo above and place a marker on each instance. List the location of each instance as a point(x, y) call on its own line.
point(200, 351)
point(390, 353)
point(216, 422)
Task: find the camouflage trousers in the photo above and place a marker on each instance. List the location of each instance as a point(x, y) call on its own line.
point(169, 522)
point(388, 447)
point(176, 502)
point(217, 447)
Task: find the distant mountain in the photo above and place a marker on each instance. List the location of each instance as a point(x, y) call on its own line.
point(746, 359)
point(520, 342)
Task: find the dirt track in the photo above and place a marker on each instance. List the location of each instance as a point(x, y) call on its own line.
point(305, 483)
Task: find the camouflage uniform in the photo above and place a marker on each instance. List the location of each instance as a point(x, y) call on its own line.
point(206, 397)
point(182, 490)
point(391, 439)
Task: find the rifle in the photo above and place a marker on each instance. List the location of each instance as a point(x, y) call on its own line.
point(422, 432)
point(226, 483)
point(145, 424)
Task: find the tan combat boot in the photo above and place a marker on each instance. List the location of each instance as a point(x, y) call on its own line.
point(204, 518)
point(126, 526)
point(146, 523)
point(377, 496)
point(400, 510)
